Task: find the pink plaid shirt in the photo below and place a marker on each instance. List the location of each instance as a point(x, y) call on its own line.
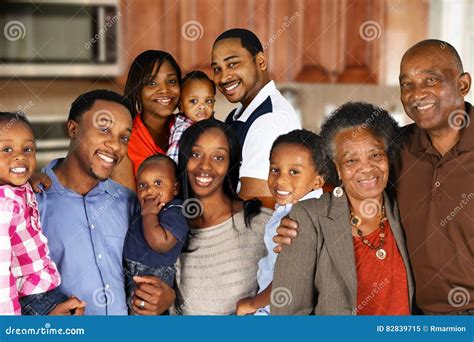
point(181, 124)
point(25, 266)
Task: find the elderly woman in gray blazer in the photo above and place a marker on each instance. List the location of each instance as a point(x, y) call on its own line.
point(349, 257)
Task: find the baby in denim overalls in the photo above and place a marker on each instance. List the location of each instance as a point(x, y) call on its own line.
point(153, 247)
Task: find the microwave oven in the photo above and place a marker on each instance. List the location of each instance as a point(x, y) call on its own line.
point(54, 38)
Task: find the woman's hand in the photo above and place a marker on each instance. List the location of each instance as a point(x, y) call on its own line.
point(152, 296)
point(71, 307)
point(39, 178)
point(287, 231)
point(245, 306)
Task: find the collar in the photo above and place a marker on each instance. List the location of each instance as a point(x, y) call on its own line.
point(180, 118)
point(56, 186)
point(421, 140)
point(21, 189)
point(262, 95)
point(312, 194)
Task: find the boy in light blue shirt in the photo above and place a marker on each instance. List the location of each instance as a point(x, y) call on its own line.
point(295, 174)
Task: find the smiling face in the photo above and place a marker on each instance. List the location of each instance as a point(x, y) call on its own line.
point(98, 147)
point(197, 99)
point(292, 173)
point(160, 93)
point(431, 86)
point(157, 181)
point(17, 153)
point(361, 162)
point(208, 163)
point(238, 75)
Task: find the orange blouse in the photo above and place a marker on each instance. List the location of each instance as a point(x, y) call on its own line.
point(142, 145)
point(382, 286)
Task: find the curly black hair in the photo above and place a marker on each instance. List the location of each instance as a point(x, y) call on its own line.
point(157, 157)
point(306, 139)
point(359, 116)
point(198, 75)
point(8, 119)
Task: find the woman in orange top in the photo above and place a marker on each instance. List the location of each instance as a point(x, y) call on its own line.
point(153, 87)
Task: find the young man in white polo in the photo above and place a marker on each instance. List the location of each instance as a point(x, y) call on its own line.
point(241, 75)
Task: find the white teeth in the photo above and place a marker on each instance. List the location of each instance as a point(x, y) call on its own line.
point(204, 179)
point(371, 180)
point(232, 87)
point(425, 107)
point(105, 158)
point(18, 169)
point(164, 101)
point(282, 193)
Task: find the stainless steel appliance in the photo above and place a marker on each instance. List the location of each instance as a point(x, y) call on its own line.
point(53, 38)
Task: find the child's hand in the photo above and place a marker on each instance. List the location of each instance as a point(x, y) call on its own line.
point(151, 206)
point(245, 307)
point(39, 178)
point(71, 307)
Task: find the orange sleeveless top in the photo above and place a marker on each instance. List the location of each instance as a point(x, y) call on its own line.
point(141, 145)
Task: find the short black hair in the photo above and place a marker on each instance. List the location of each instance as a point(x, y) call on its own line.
point(141, 70)
point(158, 157)
point(11, 118)
point(306, 139)
point(441, 44)
point(360, 115)
point(198, 75)
point(85, 102)
point(248, 39)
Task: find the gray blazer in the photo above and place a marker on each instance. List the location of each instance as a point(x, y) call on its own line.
point(316, 274)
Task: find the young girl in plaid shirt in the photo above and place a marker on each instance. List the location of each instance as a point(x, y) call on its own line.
point(25, 266)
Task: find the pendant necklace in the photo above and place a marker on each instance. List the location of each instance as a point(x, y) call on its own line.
point(380, 253)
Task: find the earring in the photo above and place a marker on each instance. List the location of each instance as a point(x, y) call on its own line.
point(338, 191)
point(138, 107)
